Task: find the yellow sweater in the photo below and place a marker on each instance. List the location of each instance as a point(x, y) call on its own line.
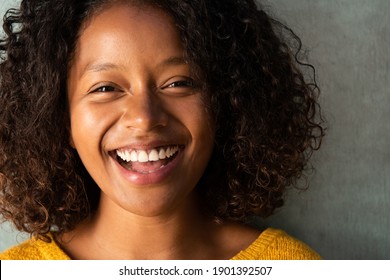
point(272, 244)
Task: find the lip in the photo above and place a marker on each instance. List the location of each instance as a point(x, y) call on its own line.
point(155, 177)
point(145, 145)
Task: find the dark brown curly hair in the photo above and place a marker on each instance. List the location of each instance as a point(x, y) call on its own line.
point(268, 121)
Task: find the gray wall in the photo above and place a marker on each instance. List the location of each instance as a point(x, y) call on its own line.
point(343, 215)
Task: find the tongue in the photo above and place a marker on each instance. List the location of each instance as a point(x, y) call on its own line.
point(145, 167)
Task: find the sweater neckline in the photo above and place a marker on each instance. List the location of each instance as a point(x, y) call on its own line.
point(253, 251)
point(258, 247)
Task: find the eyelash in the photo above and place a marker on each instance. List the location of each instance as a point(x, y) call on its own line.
point(181, 83)
point(100, 89)
point(189, 83)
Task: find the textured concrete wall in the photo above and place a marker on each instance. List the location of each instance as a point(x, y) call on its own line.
point(344, 214)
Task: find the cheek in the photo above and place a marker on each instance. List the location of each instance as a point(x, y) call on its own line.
point(202, 120)
point(195, 114)
point(88, 124)
point(88, 129)
point(200, 124)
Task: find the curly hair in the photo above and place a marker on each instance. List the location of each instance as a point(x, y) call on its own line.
point(268, 121)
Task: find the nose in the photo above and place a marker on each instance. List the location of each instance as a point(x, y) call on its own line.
point(144, 111)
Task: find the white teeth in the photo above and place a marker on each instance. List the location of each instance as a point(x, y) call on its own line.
point(144, 156)
point(171, 151)
point(168, 152)
point(134, 156)
point(127, 153)
point(153, 155)
point(161, 154)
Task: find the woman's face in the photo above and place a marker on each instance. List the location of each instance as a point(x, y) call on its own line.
point(138, 120)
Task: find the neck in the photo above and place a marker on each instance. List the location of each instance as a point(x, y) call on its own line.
point(114, 233)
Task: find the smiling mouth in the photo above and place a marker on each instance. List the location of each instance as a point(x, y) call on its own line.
point(146, 161)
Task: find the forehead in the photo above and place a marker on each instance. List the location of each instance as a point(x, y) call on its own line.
point(121, 29)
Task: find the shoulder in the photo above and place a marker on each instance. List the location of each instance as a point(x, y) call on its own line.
point(34, 249)
point(274, 244)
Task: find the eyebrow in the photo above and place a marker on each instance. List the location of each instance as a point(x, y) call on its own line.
point(173, 60)
point(99, 67)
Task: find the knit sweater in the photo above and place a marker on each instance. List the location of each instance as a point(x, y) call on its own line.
point(272, 244)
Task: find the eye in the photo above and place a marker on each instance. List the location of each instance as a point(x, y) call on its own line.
point(179, 86)
point(105, 88)
point(105, 92)
point(181, 83)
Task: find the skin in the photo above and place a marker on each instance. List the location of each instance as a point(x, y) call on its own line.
point(129, 87)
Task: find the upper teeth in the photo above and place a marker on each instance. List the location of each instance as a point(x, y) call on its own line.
point(145, 156)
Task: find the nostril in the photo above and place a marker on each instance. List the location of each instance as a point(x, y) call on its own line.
point(144, 114)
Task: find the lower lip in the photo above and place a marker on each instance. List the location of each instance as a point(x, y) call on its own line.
point(155, 177)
